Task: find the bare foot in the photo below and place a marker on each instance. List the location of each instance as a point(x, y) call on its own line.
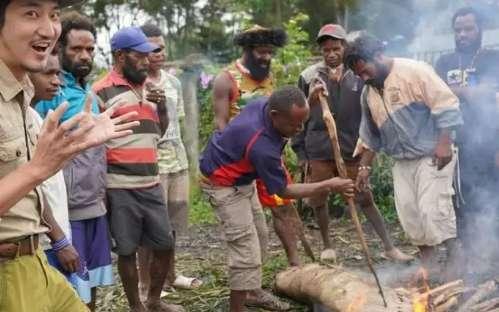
point(396, 255)
point(160, 306)
point(139, 308)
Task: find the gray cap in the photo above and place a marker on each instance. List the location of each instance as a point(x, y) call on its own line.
point(332, 30)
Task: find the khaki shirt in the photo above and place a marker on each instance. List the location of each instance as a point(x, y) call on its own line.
point(25, 217)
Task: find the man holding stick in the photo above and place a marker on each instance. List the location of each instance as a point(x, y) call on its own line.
point(250, 147)
point(409, 113)
point(312, 144)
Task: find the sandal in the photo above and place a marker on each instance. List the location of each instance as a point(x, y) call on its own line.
point(266, 301)
point(184, 282)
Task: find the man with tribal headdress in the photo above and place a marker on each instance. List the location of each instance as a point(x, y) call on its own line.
point(247, 78)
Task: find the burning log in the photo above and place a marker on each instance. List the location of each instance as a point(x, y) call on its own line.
point(337, 290)
point(482, 292)
point(486, 305)
point(443, 292)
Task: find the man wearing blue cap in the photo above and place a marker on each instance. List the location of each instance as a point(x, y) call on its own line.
point(29, 30)
point(137, 210)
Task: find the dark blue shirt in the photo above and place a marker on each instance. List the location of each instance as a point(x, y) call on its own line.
point(247, 149)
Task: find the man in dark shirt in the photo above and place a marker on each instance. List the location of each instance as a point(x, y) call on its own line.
point(313, 145)
point(248, 148)
point(472, 73)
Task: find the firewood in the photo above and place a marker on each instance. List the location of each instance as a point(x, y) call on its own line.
point(445, 295)
point(482, 292)
point(448, 305)
point(486, 305)
point(449, 287)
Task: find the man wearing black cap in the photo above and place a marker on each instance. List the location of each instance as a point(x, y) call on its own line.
point(313, 146)
point(28, 32)
point(137, 209)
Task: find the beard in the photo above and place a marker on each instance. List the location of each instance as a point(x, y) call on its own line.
point(79, 69)
point(132, 74)
point(254, 65)
point(382, 72)
point(469, 48)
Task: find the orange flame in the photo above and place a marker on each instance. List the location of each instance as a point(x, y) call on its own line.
point(357, 303)
point(420, 301)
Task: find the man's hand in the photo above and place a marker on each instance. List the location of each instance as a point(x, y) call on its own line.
point(58, 143)
point(156, 96)
point(340, 185)
point(362, 181)
point(443, 154)
point(69, 258)
point(317, 87)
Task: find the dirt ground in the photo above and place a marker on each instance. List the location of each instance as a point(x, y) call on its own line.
point(202, 255)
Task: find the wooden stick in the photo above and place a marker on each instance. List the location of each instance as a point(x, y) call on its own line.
point(301, 234)
point(342, 170)
point(442, 288)
point(486, 305)
point(449, 304)
point(483, 291)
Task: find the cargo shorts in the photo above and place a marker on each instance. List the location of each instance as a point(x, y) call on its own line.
point(423, 199)
point(237, 210)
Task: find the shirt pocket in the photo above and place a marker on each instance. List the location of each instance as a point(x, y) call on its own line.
point(12, 150)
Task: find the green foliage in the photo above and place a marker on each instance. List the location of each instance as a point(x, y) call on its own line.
point(200, 211)
point(382, 185)
point(293, 58)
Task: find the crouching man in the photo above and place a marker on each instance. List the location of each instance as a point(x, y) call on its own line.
point(250, 148)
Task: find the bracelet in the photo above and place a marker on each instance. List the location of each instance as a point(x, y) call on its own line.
point(60, 244)
point(368, 168)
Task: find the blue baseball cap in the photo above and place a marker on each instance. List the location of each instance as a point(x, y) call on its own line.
point(131, 38)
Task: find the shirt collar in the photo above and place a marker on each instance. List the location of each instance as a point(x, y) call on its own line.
point(10, 87)
point(70, 81)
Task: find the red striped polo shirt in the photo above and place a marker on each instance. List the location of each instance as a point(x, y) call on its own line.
point(132, 160)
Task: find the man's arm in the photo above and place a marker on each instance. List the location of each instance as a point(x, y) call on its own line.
point(221, 100)
point(67, 256)
point(302, 190)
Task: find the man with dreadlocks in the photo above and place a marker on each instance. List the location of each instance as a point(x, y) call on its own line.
point(247, 78)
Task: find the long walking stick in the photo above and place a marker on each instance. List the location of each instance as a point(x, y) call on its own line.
point(342, 170)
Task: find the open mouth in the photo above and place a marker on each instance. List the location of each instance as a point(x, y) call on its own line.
point(41, 47)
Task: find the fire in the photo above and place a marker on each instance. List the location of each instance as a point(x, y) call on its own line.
point(357, 304)
point(420, 302)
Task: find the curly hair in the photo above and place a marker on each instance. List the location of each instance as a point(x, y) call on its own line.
point(363, 48)
point(151, 30)
point(469, 10)
point(74, 20)
point(261, 36)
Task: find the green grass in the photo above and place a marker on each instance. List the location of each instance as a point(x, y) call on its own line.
point(201, 212)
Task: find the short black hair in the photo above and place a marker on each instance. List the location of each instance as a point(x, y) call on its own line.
point(364, 47)
point(3, 8)
point(284, 98)
point(151, 30)
point(74, 20)
point(468, 10)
